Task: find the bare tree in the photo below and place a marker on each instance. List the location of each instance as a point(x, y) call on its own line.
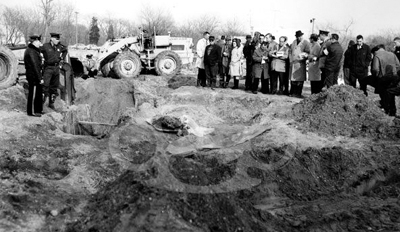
point(48, 14)
point(64, 22)
point(157, 19)
point(208, 23)
point(233, 27)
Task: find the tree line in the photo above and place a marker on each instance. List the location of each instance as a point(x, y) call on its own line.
point(61, 16)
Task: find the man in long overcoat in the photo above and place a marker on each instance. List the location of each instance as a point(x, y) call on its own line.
point(33, 67)
point(200, 49)
point(298, 54)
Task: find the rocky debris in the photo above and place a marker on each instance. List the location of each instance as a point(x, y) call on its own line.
point(343, 110)
point(182, 80)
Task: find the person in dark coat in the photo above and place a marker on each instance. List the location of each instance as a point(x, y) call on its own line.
point(347, 63)
point(33, 66)
point(54, 53)
point(334, 54)
point(260, 65)
point(212, 59)
point(248, 50)
point(360, 60)
point(226, 60)
point(221, 43)
point(324, 37)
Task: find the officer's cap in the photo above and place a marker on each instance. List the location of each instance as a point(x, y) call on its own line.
point(322, 32)
point(35, 37)
point(248, 36)
point(211, 38)
point(55, 35)
point(89, 55)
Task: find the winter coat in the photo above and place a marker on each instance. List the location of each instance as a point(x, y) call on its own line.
point(260, 68)
point(278, 64)
point(335, 55)
point(298, 67)
point(226, 59)
point(314, 73)
point(248, 50)
point(212, 55)
point(360, 59)
point(33, 64)
point(322, 56)
point(200, 50)
point(384, 64)
point(235, 67)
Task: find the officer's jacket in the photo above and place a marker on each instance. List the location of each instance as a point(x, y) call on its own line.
point(53, 54)
point(33, 63)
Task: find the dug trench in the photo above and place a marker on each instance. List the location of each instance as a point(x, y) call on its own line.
point(159, 157)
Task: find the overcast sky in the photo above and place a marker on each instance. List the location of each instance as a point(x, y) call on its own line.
point(278, 16)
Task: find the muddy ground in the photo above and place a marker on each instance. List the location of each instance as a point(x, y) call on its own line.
point(248, 162)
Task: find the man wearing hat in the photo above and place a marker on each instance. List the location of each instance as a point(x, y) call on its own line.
point(298, 53)
point(212, 59)
point(33, 66)
point(54, 53)
point(324, 37)
point(248, 50)
point(226, 60)
point(90, 67)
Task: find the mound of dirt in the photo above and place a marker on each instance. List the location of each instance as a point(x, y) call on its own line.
point(343, 110)
point(128, 205)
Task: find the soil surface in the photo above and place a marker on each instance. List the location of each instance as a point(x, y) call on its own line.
point(330, 162)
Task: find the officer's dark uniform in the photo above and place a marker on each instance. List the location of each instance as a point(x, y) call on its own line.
point(33, 66)
point(53, 55)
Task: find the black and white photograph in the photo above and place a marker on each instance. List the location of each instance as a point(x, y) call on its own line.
point(199, 116)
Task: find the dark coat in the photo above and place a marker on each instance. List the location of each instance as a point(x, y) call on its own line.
point(360, 58)
point(347, 59)
point(335, 54)
point(33, 64)
point(53, 54)
point(248, 50)
point(212, 55)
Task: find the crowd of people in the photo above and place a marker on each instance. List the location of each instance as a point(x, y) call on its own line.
point(282, 68)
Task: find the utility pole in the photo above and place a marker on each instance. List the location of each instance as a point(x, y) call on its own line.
point(76, 27)
point(312, 21)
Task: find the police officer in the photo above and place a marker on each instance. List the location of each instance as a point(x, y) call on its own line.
point(89, 69)
point(33, 66)
point(54, 54)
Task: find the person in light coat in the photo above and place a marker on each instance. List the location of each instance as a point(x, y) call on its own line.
point(280, 54)
point(200, 50)
point(314, 73)
point(235, 67)
point(298, 54)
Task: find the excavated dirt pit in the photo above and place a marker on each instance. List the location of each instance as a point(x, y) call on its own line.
point(164, 155)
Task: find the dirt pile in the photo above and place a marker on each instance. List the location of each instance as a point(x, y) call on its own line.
point(343, 110)
point(332, 189)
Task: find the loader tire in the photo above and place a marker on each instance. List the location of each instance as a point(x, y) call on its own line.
point(8, 68)
point(127, 65)
point(168, 63)
point(105, 65)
